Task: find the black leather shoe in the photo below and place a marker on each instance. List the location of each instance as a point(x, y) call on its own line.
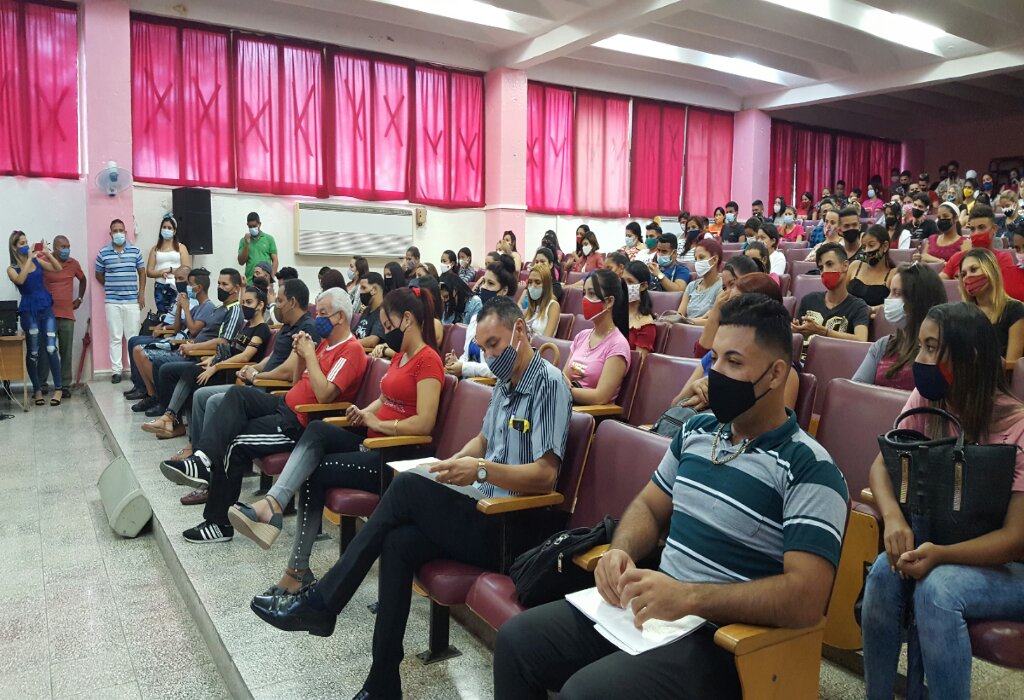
point(115, 378)
point(156, 411)
point(134, 394)
point(367, 695)
point(147, 403)
point(293, 613)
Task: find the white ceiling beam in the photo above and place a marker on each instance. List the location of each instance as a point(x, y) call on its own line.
point(616, 17)
point(923, 76)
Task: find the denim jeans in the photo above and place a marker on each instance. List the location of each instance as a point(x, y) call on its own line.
point(36, 324)
point(942, 603)
point(205, 401)
point(132, 343)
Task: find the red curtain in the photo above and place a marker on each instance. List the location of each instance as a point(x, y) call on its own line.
point(813, 162)
point(353, 142)
point(467, 143)
point(279, 138)
point(781, 162)
point(38, 90)
point(602, 142)
point(431, 137)
point(853, 160)
point(883, 157)
point(390, 129)
point(708, 174)
point(549, 144)
point(645, 163)
point(181, 109)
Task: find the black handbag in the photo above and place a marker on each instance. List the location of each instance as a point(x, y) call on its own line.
point(948, 491)
point(547, 572)
point(672, 420)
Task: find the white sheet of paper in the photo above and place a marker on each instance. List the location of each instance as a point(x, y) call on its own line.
point(616, 624)
point(421, 467)
point(404, 465)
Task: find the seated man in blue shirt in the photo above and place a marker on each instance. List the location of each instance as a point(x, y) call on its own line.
point(419, 520)
point(755, 511)
point(667, 273)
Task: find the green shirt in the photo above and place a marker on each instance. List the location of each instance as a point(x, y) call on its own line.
point(260, 249)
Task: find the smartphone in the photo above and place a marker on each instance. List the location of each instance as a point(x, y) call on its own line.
point(38, 247)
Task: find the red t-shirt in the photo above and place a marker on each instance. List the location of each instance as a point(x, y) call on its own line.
point(642, 338)
point(61, 286)
point(343, 364)
point(1013, 276)
point(398, 387)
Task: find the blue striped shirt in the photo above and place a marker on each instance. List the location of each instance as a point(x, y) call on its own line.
point(734, 522)
point(543, 399)
point(121, 273)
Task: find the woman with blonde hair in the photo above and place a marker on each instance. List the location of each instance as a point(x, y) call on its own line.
point(981, 284)
point(542, 309)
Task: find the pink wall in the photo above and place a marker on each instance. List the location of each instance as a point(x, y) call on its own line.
point(505, 154)
point(107, 135)
point(973, 143)
point(751, 146)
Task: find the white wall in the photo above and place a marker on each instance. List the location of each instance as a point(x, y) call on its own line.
point(611, 233)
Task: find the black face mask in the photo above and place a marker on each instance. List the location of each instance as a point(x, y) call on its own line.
point(182, 287)
point(852, 236)
point(248, 312)
point(389, 284)
point(874, 257)
point(730, 398)
point(917, 213)
point(365, 298)
point(393, 338)
point(944, 224)
point(890, 221)
point(222, 296)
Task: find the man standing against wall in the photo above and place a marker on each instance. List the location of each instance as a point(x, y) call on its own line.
point(121, 269)
point(256, 247)
point(60, 285)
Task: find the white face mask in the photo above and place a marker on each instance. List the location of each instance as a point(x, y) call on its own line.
point(634, 292)
point(350, 274)
point(587, 249)
point(894, 311)
point(464, 262)
point(777, 208)
point(445, 268)
point(701, 267)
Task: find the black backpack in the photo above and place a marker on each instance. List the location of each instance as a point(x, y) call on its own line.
point(547, 572)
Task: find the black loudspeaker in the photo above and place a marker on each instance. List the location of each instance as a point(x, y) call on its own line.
point(191, 206)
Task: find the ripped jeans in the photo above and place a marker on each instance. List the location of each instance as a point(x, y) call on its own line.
point(41, 326)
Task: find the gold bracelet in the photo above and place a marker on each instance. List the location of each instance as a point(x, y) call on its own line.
point(396, 426)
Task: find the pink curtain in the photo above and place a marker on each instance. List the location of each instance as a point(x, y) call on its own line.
point(38, 90)
point(549, 143)
point(390, 129)
point(181, 106)
point(279, 137)
point(353, 148)
point(467, 144)
point(781, 162)
point(853, 155)
point(602, 140)
point(883, 157)
point(708, 175)
point(645, 164)
point(431, 137)
point(813, 162)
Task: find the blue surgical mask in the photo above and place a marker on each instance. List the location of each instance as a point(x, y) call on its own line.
point(664, 260)
point(787, 219)
point(23, 250)
point(119, 238)
point(191, 292)
point(871, 193)
point(167, 233)
point(730, 217)
point(502, 365)
point(536, 293)
point(486, 295)
point(323, 326)
point(254, 231)
point(64, 253)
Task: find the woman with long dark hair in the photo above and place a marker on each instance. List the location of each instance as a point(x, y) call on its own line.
point(600, 356)
point(394, 277)
point(642, 328)
point(459, 303)
point(164, 258)
point(957, 369)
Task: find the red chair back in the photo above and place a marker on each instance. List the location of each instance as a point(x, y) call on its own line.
point(904, 255)
point(454, 339)
point(784, 283)
point(790, 245)
point(572, 300)
point(795, 255)
point(571, 472)
point(369, 389)
point(879, 327)
point(660, 380)
point(805, 399)
point(952, 290)
point(565, 323)
point(354, 321)
point(448, 387)
point(802, 267)
point(831, 358)
point(790, 303)
point(661, 335)
point(580, 324)
point(621, 461)
point(681, 338)
point(665, 301)
point(804, 285)
point(798, 348)
point(852, 416)
point(271, 342)
point(628, 388)
point(574, 277)
point(562, 345)
point(464, 418)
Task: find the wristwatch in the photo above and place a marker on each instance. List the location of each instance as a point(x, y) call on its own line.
point(481, 470)
point(661, 275)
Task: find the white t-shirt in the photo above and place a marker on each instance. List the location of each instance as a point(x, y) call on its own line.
point(778, 261)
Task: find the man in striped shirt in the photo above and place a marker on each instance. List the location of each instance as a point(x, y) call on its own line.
point(121, 270)
point(518, 451)
point(755, 511)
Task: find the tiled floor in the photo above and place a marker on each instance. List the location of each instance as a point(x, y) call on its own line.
point(88, 614)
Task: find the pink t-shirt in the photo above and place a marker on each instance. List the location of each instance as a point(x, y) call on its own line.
point(797, 232)
point(872, 207)
point(590, 362)
point(1012, 432)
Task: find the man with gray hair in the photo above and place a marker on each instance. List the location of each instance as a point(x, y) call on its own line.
point(252, 423)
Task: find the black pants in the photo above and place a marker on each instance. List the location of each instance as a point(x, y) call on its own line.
point(417, 521)
point(250, 423)
point(555, 647)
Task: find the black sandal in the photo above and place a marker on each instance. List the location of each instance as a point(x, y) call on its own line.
point(55, 401)
point(307, 580)
point(39, 400)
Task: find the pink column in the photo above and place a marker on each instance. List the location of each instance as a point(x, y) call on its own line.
point(107, 135)
point(751, 146)
point(504, 154)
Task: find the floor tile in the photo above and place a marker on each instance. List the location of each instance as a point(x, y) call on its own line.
point(91, 674)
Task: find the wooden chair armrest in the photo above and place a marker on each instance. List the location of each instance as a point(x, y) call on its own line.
point(274, 326)
point(741, 639)
point(276, 383)
point(380, 443)
point(600, 410)
point(161, 332)
point(338, 421)
point(201, 353)
point(588, 560)
point(867, 497)
point(511, 504)
point(178, 341)
point(225, 366)
point(487, 381)
point(279, 392)
point(322, 407)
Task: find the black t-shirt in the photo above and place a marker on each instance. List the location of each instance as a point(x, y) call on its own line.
point(921, 231)
point(242, 339)
point(1013, 312)
point(844, 318)
point(731, 233)
point(369, 324)
point(285, 336)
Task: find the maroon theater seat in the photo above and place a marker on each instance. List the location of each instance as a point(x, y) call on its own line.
point(804, 285)
point(902, 255)
point(998, 642)
point(454, 339)
point(952, 290)
point(805, 399)
point(572, 300)
point(565, 329)
point(660, 380)
point(574, 277)
point(1017, 382)
point(829, 358)
point(802, 267)
point(795, 255)
point(879, 327)
point(620, 463)
point(665, 301)
point(785, 281)
point(790, 303)
point(661, 335)
point(580, 324)
point(562, 345)
point(791, 245)
point(681, 338)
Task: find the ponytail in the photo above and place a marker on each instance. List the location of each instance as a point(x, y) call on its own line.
point(419, 303)
point(608, 284)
